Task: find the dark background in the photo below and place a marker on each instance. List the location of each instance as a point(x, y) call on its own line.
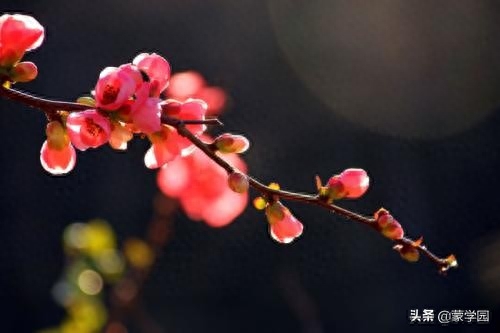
point(408, 90)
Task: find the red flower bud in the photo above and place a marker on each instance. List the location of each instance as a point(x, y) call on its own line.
point(230, 143)
point(238, 182)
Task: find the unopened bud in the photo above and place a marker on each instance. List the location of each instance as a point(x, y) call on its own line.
point(238, 182)
point(275, 212)
point(334, 189)
point(408, 253)
point(393, 230)
point(86, 100)
point(57, 138)
point(230, 143)
point(24, 72)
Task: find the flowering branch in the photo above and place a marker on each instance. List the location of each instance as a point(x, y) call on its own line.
point(128, 100)
point(444, 264)
point(53, 106)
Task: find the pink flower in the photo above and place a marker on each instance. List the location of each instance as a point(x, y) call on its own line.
point(167, 144)
point(351, 183)
point(191, 84)
point(165, 147)
point(88, 129)
point(283, 226)
point(115, 87)
point(202, 189)
point(18, 34)
point(57, 155)
point(158, 70)
point(146, 111)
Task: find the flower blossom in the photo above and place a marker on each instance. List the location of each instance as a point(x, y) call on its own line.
point(88, 129)
point(18, 33)
point(156, 68)
point(202, 188)
point(115, 87)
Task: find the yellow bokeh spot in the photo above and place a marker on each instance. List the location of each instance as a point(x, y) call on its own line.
point(85, 316)
point(90, 282)
point(99, 236)
point(138, 253)
point(110, 262)
point(91, 238)
point(74, 236)
point(259, 203)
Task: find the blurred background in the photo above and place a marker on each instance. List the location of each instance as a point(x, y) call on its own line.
point(408, 90)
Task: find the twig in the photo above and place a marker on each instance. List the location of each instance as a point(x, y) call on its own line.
point(51, 106)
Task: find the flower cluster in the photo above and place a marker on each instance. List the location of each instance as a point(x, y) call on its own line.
point(126, 101)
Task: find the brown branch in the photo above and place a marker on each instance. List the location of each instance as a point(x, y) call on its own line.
point(442, 263)
point(51, 106)
point(46, 105)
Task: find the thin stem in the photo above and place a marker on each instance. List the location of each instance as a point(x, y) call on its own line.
point(443, 264)
point(46, 105)
point(52, 106)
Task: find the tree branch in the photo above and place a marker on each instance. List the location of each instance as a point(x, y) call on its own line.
point(53, 106)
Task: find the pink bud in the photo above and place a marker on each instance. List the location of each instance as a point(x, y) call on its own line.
point(238, 182)
point(88, 129)
point(383, 218)
point(387, 225)
point(408, 253)
point(57, 137)
point(23, 72)
point(57, 155)
point(230, 143)
point(393, 230)
point(158, 70)
point(283, 226)
point(354, 182)
point(18, 33)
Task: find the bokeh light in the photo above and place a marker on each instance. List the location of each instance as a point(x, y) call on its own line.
point(414, 69)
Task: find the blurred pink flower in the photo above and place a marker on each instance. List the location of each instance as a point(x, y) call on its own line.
point(202, 189)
